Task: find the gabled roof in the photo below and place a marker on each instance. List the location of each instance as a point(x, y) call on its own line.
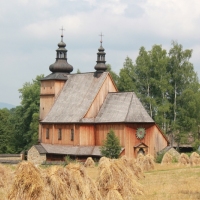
point(123, 107)
point(76, 97)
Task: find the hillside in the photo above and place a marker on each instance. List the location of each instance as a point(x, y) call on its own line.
point(6, 105)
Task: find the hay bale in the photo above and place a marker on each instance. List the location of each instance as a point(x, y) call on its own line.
point(167, 159)
point(194, 159)
point(28, 183)
point(113, 195)
point(114, 175)
point(184, 159)
point(89, 162)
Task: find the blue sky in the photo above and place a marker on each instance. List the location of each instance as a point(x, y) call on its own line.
point(29, 33)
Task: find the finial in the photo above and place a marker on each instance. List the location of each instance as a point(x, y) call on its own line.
point(62, 29)
point(101, 38)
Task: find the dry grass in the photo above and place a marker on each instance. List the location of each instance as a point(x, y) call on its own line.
point(171, 182)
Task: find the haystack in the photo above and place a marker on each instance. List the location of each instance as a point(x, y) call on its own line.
point(81, 186)
point(167, 159)
point(134, 167)
point(89, 162)
point(184, 159)
point(114, 175)
point(6, 180)
point(145, 162)
point(28, 183)
point(194, 159)
point(71, 182)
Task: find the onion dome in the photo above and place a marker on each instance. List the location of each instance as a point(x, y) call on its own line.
point(100, 66)
point(61, 64)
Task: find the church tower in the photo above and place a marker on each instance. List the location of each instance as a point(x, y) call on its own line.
point(52, 84)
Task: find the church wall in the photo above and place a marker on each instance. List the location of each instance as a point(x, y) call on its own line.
point(153, 139)
point(108, 86)
point(87, 137)
point(102, 130)
point(59, 134)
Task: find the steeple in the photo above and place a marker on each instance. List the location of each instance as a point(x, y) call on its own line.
point(100, 66)
point(61, 64)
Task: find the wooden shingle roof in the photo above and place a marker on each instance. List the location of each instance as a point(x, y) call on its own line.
point(123, 107)
point(75, 98)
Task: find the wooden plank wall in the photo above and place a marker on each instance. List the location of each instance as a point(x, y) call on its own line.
point(107, 86)
point(87, 137)
point(153, 139)
point(48, 93)
point(53, 134)
point(102, 130)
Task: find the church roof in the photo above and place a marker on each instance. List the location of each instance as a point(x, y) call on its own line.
point(76, 97)
point(123, 107)
point(69, 149)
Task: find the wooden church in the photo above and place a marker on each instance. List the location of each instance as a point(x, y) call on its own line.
point(78, 110)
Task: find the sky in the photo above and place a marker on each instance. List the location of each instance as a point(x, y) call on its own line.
point(30, 32)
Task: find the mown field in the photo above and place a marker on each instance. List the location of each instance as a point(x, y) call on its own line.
point(164, 182)
point(167, 182)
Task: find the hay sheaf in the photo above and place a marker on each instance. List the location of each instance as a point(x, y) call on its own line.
point(184, 159)
point(145, 162)
point(114, 175)
point(167, 159)
point(71, 182)
point(28, 183)
point(194, 159)
point(89, 162)
point(134, 167)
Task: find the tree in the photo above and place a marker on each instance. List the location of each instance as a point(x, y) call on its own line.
point(111, 146)
point(126, 82)
point(114, 76)
point(26, 116)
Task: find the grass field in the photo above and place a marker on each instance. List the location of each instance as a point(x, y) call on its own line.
point(168, 182)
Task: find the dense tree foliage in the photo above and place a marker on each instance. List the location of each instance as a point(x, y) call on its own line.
point(167, 86)
point(111, 147)
point(19, 126)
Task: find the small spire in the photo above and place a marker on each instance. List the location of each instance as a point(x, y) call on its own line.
point(100, 66)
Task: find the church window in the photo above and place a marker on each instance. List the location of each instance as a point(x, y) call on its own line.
point(59, 134)
point(72, 134)
point(47, 133)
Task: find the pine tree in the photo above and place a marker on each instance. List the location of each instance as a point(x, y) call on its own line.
point(111, 147)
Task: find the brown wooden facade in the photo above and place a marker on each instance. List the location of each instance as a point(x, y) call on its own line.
point(93, 134)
